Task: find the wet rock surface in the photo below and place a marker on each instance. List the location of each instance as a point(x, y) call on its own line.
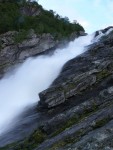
point(82, 96)
point(76, 112)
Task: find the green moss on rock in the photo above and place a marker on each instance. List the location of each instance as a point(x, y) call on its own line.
point(75, 119)
point(21, 36)
point(101, 122)
point(62, 143)
point(28, 144)
point(102, 74)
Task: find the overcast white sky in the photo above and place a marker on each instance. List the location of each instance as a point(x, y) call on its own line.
point(91, 14)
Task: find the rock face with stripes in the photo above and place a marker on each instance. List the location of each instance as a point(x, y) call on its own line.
point(82, 99)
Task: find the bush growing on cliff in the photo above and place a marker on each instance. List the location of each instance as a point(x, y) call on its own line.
point(22, 14)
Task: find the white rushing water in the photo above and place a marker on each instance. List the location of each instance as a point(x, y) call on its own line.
point(21, 88)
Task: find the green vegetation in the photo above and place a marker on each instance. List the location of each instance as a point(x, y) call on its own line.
point(24, 15)
point(75, 119)
point(102, 74)
point(62, 143)
point(102, 122)
point(21, 36)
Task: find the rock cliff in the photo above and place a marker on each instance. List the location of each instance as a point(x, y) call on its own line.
point(12, 52)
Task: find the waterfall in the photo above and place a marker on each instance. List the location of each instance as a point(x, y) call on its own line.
point(20, 89)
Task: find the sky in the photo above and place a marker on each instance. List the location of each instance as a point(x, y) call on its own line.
point(91, 14)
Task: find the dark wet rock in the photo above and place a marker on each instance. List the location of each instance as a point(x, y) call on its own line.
point(103, 31)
